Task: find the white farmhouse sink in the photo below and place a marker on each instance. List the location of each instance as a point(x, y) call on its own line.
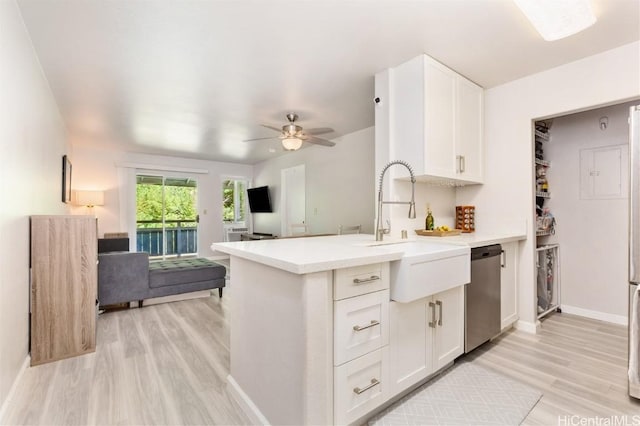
point(428, 268)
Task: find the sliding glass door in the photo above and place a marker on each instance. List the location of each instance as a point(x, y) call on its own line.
point(166, 215)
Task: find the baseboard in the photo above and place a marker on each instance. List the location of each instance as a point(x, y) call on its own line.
point(9, 398)
point(177, 297)
point(528, 327)
point(602, 316)
point(246, 404)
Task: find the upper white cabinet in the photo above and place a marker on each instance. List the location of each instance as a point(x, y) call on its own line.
point(469, 130)
point(435, 119)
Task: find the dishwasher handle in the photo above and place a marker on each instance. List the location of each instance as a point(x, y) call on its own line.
point(485, 252)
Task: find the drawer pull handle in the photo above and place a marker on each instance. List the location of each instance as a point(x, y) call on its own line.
point(373, 323)
point(374, 382)
point(366, 280)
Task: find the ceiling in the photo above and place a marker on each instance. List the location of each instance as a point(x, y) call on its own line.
point(196, 78)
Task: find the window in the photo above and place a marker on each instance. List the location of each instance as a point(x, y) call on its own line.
point(166, 215)
point(234, 204)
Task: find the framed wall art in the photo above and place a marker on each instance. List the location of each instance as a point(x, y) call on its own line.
point(66, 179)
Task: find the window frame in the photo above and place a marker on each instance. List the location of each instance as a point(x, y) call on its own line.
point(237, 205)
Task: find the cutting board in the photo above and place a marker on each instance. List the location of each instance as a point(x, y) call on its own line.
point(426, 233)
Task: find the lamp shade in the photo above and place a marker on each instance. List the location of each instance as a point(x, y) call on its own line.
point(89, 198)
point(291, 144)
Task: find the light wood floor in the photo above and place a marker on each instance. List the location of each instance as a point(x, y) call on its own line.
point(162, 364)
point(167, 364)
point(579, 365)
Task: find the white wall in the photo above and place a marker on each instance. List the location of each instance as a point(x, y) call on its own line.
point(441, 200)
point(98, 169)
point(32, 142)
point(592, 233)
point(339, 184)
point(507, 194)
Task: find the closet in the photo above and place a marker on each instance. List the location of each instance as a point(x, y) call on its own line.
point(581, 189)
point(547, 255)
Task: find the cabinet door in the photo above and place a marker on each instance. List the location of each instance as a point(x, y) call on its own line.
point(449, 334)
point(508, 285)
point(410, 343)
point(406, 118)
point(63, 287)
point(440, 111)
point(469, 131)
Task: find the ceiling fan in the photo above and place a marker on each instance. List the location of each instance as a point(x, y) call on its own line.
point(293, 135)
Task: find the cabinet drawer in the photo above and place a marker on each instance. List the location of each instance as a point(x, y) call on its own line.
point(349, 282)
point(361, 324)
point(360, 386)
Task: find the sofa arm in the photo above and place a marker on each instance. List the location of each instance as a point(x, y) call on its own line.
point(122, 277)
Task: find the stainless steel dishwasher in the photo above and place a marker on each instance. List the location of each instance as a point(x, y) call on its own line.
point(482, 297)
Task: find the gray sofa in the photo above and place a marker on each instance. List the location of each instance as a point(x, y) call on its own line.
point(127, 277)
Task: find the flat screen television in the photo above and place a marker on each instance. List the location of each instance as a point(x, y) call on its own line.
point(259, 200)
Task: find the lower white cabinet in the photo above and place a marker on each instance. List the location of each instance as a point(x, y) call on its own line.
point(425, 336)
point(361, 385)
point(361, 324)
point(449, 328)
point(358, 280)
point(508, 284)
point(360, 341)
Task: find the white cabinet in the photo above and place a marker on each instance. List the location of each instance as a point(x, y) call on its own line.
point(425, 336)
point(508, 284)
point(449, 327)
point(361, 324)
point(469, 131)
point(435, 121)
point(360, 340)
point(360, 386)
point(357, 280)
point(410, 339)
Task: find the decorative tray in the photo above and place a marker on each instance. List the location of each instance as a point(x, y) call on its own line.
point(426, 233)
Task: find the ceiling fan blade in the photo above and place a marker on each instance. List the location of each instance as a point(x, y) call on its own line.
point(272, 128)
point(260, 139)
point(319, 131)
point(319, 141)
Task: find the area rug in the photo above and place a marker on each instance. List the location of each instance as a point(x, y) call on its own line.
point(466, 394)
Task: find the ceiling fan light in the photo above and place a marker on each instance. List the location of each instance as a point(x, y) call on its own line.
point(291, 144)
point(556, 19)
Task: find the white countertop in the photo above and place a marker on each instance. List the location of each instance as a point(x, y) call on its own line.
point(311, 254)
point(315, 254)
point(476, 239)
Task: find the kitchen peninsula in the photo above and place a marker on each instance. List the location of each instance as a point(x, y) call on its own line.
point(310, 326)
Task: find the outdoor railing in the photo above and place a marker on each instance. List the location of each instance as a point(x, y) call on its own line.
point(181, 237)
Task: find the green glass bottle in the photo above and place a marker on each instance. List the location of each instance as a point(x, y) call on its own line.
point(428, 223)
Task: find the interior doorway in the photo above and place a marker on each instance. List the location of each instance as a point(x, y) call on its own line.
point(582, 194)
point(293, 199)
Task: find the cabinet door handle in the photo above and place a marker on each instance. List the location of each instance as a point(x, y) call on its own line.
point(458, 163)
point(373, 323)
point(374, 382)
point(503, 259)
point(432, 323)
point(439, 304)
point(366, 280)
point(463, 165)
